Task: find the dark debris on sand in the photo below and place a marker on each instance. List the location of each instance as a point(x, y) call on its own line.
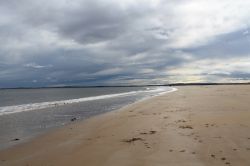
point(186, 127)
point(133, 140)
point(73, 119)
point(15, 139)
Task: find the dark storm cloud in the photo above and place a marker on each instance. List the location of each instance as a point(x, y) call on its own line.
point(91, 42)
point(83, 21)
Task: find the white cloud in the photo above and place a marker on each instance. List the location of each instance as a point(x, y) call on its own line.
point(36, 66)
point(196, 22)
point(208, 69)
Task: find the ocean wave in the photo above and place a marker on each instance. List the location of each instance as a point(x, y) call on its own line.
point(37, 106)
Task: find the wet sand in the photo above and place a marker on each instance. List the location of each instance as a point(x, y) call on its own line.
point(194, 126)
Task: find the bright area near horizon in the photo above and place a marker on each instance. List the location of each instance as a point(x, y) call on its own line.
point(107, 42)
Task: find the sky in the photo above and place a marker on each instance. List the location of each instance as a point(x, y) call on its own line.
point(125, 42)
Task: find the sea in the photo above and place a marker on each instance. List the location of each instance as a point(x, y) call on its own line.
point(27, 113)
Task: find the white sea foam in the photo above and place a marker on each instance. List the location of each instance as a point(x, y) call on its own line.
point(36, 106)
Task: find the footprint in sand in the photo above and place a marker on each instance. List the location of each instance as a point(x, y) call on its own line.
point(183, 150)
point(146, 145)
point(186, 127)
point(180, 121)
point(150, 132)
point(143, 133)
point(223, 158)
point(219, 137)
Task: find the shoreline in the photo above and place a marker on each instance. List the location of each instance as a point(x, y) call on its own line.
point(196, 125)
point(10, 109)
point(14, 141)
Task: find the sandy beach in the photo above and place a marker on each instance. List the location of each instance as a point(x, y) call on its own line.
point(194, 126)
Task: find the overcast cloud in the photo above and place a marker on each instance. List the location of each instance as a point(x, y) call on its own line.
point(110, 42)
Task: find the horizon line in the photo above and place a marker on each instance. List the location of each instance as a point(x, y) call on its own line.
point(102, 86)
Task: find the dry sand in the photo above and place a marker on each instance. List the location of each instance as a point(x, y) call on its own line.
point(194, 126)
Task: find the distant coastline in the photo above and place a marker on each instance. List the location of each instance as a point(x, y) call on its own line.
point(103, 86)
point(193, 84)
